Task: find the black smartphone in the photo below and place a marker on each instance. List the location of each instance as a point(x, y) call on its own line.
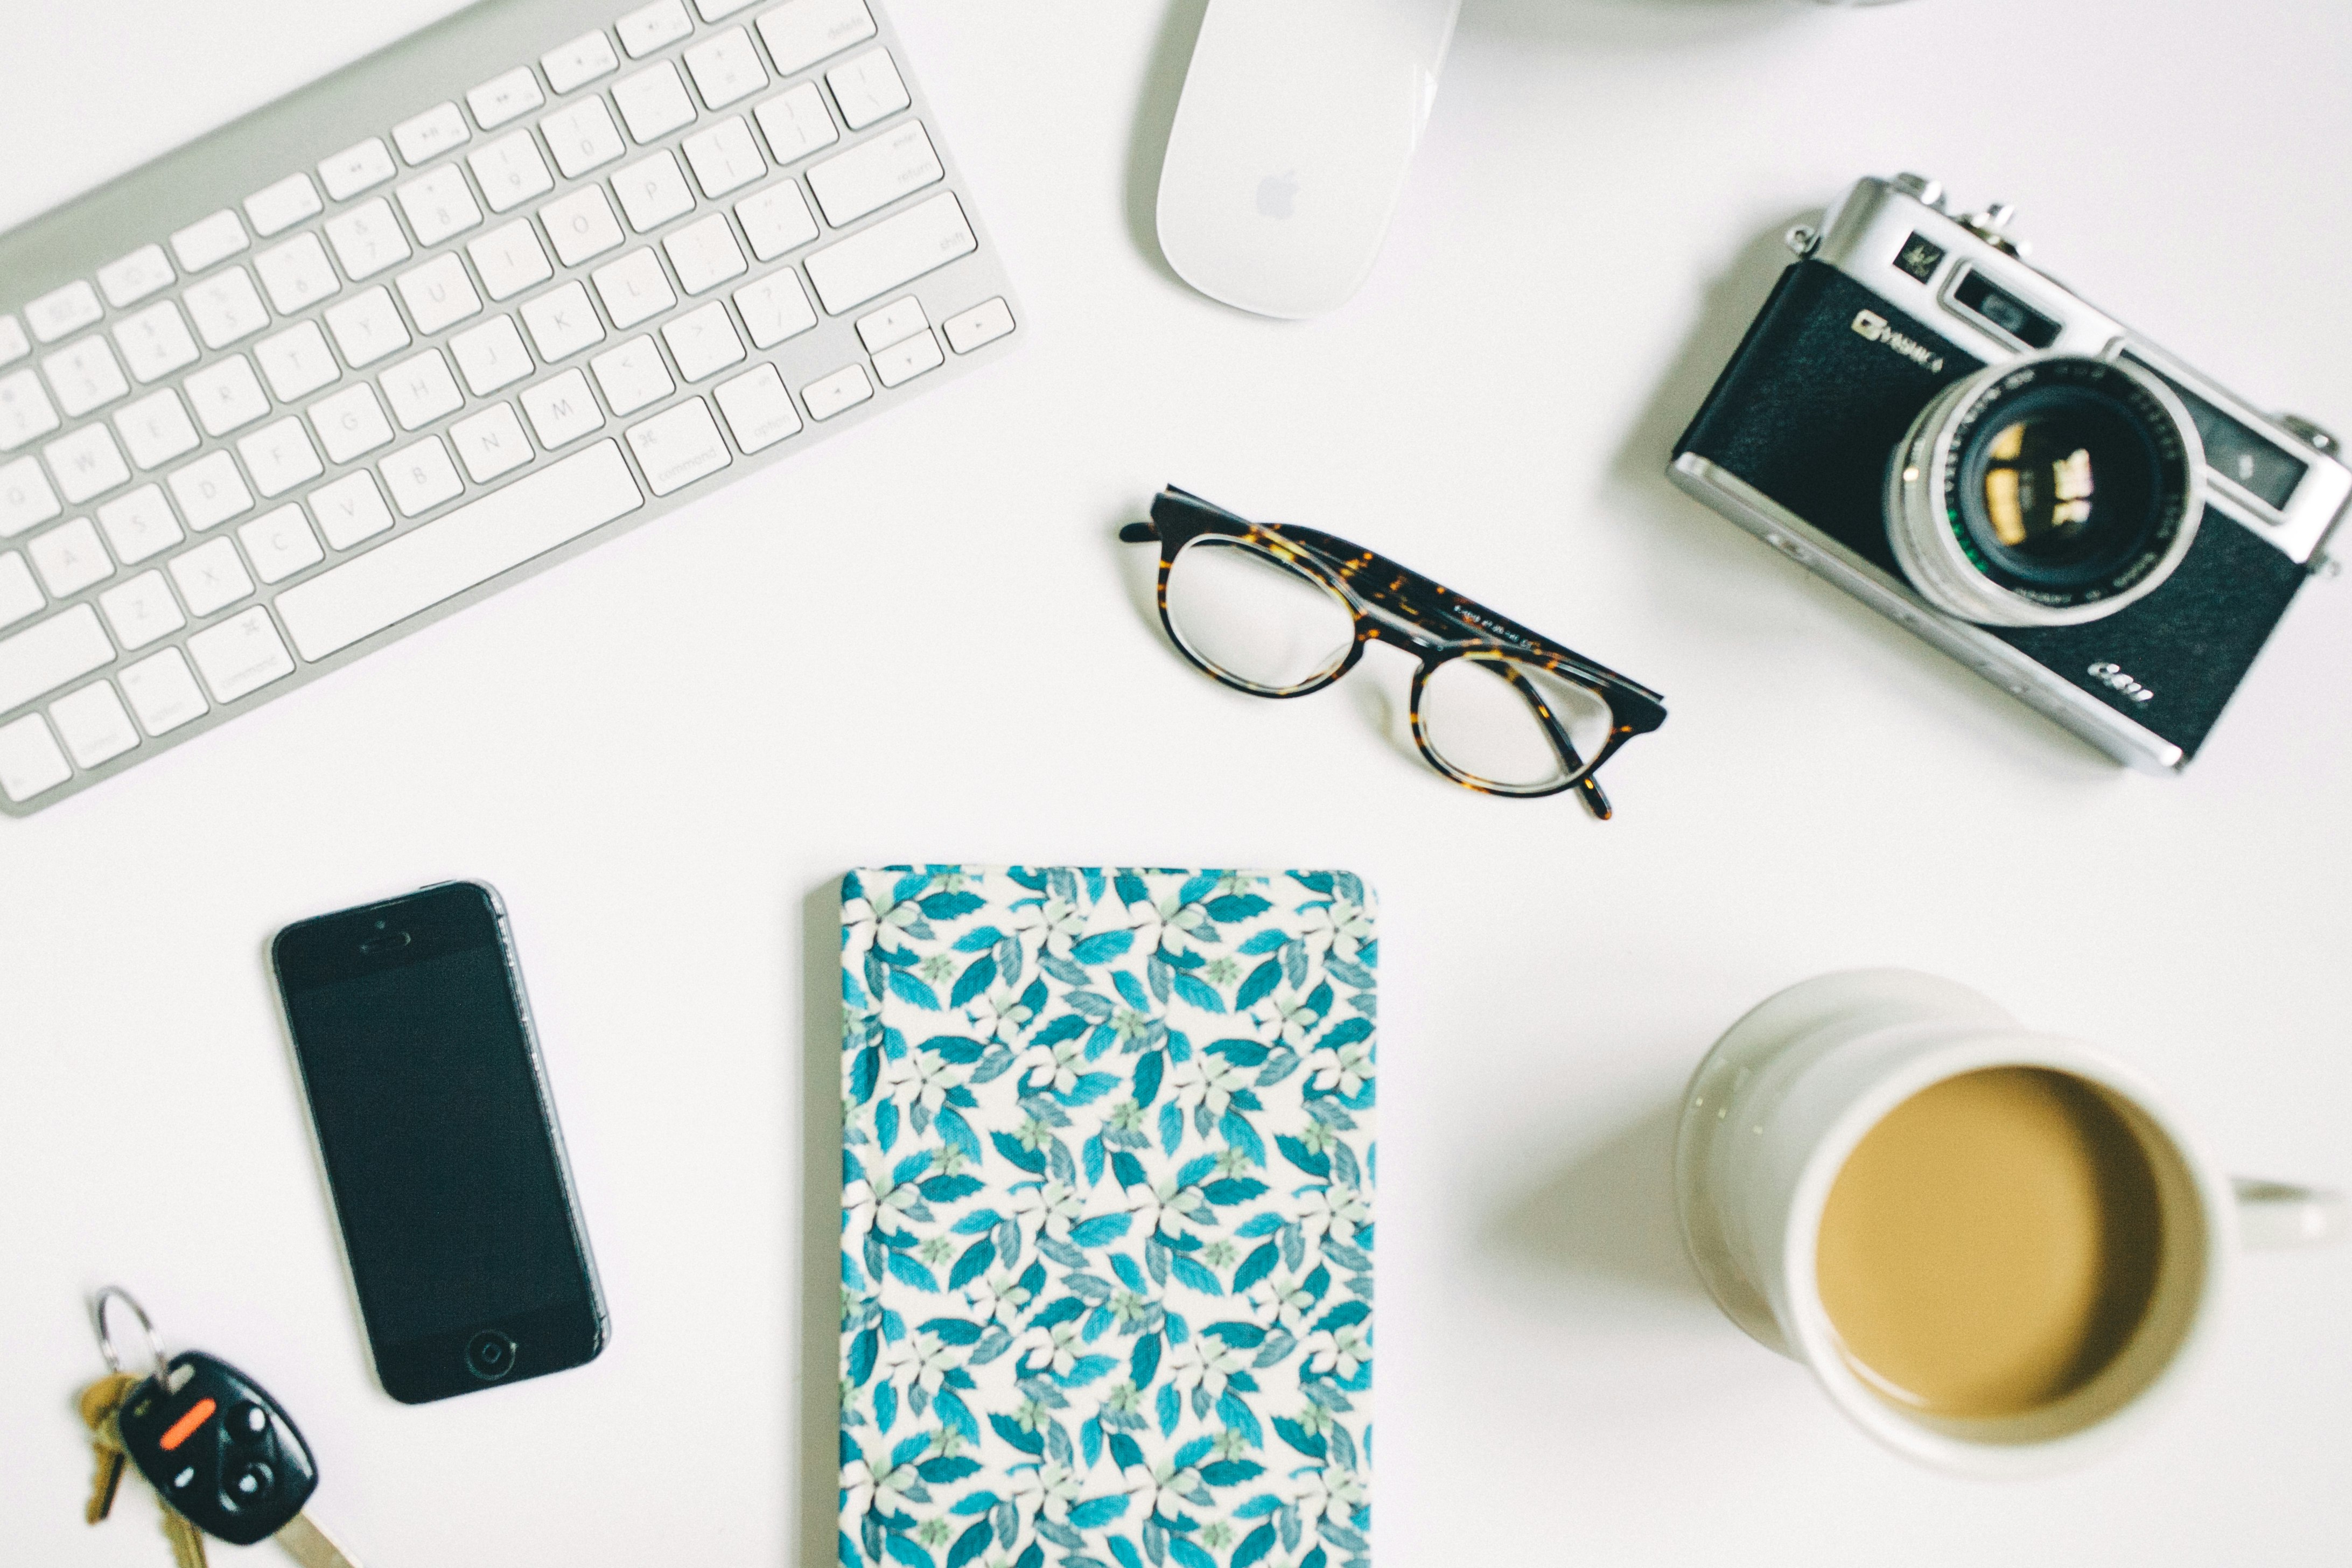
point(423, 1073)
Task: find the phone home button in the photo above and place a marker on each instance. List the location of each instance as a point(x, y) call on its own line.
point(489, 1355)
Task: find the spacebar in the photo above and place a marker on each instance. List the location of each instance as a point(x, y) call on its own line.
point(453, 553)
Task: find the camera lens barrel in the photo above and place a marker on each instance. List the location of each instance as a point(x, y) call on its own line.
point(2045, 491)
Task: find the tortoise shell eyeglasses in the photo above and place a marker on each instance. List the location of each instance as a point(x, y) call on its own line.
point(1277, 610)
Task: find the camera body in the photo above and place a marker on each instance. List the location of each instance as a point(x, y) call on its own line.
point(1816, 435)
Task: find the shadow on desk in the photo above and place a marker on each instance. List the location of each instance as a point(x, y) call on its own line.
point(818, 1472)
point(1604, 1215)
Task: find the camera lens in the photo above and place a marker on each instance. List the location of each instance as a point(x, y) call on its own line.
point(2048, 490)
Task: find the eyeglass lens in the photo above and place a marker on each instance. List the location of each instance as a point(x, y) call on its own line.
point(1255, 619)
point(1478, 713)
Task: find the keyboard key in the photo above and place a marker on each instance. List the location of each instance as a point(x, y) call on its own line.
point(84, 376)
point(210, 577)
point(867, 88)
point(26, 497)
point(900, 319)
point(421, 477)
point(491, 443)
point(562, 322)
point(162, 694)
point(29, 760)
point(633, 376)
point(582, 225)
point(578, 62)
point(430, 134)
point(350, 510)
point(562, 410)
point(506, 96)
point(774, 309)
point(439, 204)
point(758, 408)
point(136, 276)
point(210, 490)
point(703, 342)
point(227, 395)
point(582, 137)
point(677, 446)
point(902, 361)
point(46, 654)
point(298, 361)
point(142, 610)
point(726, 69)
point(93, 724)
point(648, 28)
point(227, 307)
point(18, 596)
point(355, 169)
point(509, 259)
point(653, 192)
point(63, 311)
point(280, 544)
point(876, 173)
point(367, 328)
point(297, 273)
point(510, 172)
point(551, 506)
point(14, 345)
point(367, 239)
point(276, 208)
point(654, 102)
point(280, 456)
point(438, 294)
point(155, 342)
point(156, 428)
point(797, 123)
point(421, 390)
point(491, 355)
point(70, 559)
point(895, 252)
point(25, 410)
point(724, 158)
point(799, 33)
point(351, 423)
point(845, 388)
point(633, 289)
point(241, 655)
point(87, 463)
point(705, 254)
point(139, 525)
point(209, 240)
point(776, 220)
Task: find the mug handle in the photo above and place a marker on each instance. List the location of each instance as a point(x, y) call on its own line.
point(2275, 1215)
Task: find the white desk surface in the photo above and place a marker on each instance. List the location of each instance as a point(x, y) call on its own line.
point(920, 642)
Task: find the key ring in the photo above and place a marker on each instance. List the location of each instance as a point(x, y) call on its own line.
point(105, 1340)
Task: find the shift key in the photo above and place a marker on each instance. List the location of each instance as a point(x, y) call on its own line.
point(872, 262)
point(43, 657)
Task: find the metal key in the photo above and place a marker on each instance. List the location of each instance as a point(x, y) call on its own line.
point(97, 1404)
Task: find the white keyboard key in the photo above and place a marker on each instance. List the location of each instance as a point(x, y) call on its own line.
point(903, 362)
point(48, 654)
point(25, 410)
point(633, 289)
point(26, 497)
point(491, 355)
point(351, 423)
point(845, 388)
point(87, 463)
point(421, 477)
point(505, 97)
point(726, 69)
point(705, 254)
point(297, 273)
point(29, 760)
point(280, 456)
point(677, 446)
point(241, 655)
point(582, 137)
point(210, 577)
point(94, 726)
point(653, 192)
point(155, 342)
point(84, 376)
point(210, 490)
point(867, 88)
point(510, 172)
point(439, 204)
point(279, 543)
point(633, 376)
point(799, 33)
point(983, 324)
point(491, 443)
point(156, 429)
point(896, 250)
point(578, 62)
point(298, 361)
point(357, 168)
point(438, 294)
point(875, 173)
point(367, 328)
point(774, 309)
point(758, 408)
point(227, 395)
point(703, 342)
point(421, 390)
point(142, 610)
point(139, 525)
point(430, 134)
point(63, 311)
point(509, 259)
point(900, 319)
point(367, 239)
point(654, 102)
point(797, 123)
point(227, 307)
point(14, 345)
point(562, 322)
point(276, 208)
point(776, 220)
point(714, 10)
point(562, 410)
point(162, 694)
point(649, 27)
point(18, 595)
point(70, 559)
point(724, 158)
point(553, 506)
point(582, 225)
point(209, 240)
point(350, 510)
point(136, 276)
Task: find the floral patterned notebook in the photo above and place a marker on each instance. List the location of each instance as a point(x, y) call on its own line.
point(1107, 1239)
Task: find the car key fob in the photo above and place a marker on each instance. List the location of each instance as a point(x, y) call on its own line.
point(217, 1449)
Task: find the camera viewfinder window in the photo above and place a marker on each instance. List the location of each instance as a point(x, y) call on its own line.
point(2029, 326)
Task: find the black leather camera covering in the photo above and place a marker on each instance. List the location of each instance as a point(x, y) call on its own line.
point(1809, 410)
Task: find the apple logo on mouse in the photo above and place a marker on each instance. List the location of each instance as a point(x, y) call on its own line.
point(1276, 194)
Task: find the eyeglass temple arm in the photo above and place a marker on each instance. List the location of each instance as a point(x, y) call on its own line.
point(1596, 799)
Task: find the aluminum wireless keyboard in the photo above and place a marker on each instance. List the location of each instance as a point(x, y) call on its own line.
point(437, 322)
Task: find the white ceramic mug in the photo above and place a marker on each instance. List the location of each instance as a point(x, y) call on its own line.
point(1786, 1094)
